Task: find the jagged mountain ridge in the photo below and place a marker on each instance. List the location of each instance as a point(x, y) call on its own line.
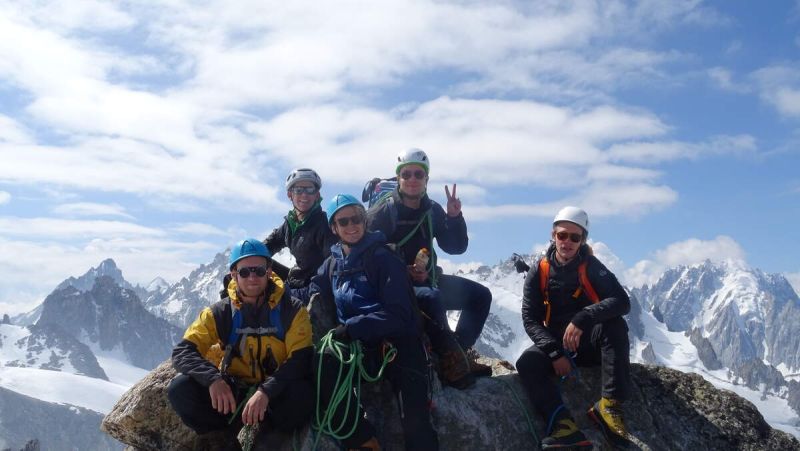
point(181, 303)
point(111, 317)
point(744, 313)
point(106, 268)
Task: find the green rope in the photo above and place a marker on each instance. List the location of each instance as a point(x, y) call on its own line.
point(250, 392)
point(349, 375)
point(522, 408)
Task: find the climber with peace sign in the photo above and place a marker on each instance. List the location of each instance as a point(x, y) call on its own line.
point(411, 220)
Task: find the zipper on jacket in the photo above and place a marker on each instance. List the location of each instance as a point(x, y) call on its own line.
point(260, 362)
point(252, 362)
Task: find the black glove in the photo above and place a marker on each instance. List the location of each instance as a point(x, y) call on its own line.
point(340, 334)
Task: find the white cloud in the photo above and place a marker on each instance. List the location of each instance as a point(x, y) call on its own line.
point(91, 209)
point(13, 132)
point(76, 15)
point(196, 228)
point(606, 199)
point(780, 88)
point(165, 143)
point(5, 197)
point(688, 252)
point(657, 152)
point(723, 78)
point(483, 141)
point(52, 228)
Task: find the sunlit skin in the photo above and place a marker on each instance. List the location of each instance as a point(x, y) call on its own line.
point(566, 250)
point(302, 203)
point(352, 233)
point(250, 290)
point(413, 188)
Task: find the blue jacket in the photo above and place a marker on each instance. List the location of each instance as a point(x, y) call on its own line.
point(373, 298)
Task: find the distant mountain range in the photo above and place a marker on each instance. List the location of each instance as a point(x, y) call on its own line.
point(735, 325)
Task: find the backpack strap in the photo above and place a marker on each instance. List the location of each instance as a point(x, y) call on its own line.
point(584, 286)
point(544, 282)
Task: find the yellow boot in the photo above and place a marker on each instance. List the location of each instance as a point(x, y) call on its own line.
point(607, 413)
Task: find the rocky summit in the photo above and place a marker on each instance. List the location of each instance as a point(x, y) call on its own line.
point(668, 410)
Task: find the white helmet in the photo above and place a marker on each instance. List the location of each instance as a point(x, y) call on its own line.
point(574, 215)
point(298, 175)
point(412, 156)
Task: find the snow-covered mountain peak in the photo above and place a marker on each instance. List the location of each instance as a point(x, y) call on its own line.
point(86, 281)
point(157, 285)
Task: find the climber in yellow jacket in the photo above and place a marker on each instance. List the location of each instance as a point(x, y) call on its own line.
point(252, 348)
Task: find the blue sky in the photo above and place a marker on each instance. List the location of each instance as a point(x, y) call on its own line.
point(160, 133)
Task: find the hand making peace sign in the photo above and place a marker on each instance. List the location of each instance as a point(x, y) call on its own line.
point(453, 203)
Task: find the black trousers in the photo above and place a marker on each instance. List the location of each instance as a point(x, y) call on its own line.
point(606, 344)
point(192, 402)
point(408, 375)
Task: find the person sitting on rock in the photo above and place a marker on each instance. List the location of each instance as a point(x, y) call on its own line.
point(253, 348)
point(304, 231)
point(572, 309)
point(411, 220)
point(375, 307)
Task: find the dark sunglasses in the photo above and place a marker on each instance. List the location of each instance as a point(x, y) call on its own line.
point(303, 190)
point(574, 237)
point(259, 271)
point(418, 174)
point(355, 219)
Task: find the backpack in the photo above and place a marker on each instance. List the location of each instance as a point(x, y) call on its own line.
point(584, 285)
point(377, 190)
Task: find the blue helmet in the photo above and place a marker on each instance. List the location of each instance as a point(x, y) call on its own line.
point(338, 202)
point(248, 248)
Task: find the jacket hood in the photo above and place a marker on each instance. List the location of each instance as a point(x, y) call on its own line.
point(275, 289)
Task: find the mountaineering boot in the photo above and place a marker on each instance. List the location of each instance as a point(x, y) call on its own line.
point(370, 445)
point(454, 369)
point(565, 434)
point(607, 413)
point(476, 368)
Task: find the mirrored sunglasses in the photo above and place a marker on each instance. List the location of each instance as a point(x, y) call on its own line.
point(355, 220)
point(303, 190)
point(574, 237)
point(418, 174)
point(259, 271)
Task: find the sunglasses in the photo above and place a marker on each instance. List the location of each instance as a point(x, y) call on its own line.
point(259, 271)
point(355, 220)
point(574, 237)
point(303, 190)
point(418, 174)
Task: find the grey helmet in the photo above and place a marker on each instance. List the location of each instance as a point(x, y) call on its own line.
point(301, 174)
point(412, 156)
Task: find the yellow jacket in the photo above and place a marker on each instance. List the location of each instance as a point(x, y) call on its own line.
point(269, 344)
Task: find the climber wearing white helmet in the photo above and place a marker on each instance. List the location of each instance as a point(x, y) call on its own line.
point(572, 309)
point(304, 231)
point(411, 221)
